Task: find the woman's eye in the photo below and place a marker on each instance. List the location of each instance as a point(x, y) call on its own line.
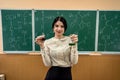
point(62, 26)
point(56, 25)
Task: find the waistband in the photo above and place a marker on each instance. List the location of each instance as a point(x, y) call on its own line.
point(60, 67)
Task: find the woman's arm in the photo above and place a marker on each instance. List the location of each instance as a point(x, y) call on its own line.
point(74, 51)
point(44, 50)
point(46, 56)
point(74, 54)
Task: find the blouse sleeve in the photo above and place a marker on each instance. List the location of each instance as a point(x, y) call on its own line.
point(74, 54)
point(46, 55)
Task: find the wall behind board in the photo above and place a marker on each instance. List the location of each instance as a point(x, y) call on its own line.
point(61, 4)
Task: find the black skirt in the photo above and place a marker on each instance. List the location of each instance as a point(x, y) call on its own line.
point(59, 73)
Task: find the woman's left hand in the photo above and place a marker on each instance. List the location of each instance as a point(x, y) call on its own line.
point(74, 38)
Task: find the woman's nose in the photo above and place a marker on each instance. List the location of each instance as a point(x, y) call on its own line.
point(59, 28)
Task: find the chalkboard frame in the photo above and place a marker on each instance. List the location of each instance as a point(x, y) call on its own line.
point(81, 52)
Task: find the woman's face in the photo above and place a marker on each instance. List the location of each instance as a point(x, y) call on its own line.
point(58, 28)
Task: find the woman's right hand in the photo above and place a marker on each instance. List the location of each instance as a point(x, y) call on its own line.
point(40, 40)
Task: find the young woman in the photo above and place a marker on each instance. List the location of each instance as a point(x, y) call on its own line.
point(57, 53)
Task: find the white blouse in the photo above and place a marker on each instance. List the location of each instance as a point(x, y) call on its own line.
point(57, 52)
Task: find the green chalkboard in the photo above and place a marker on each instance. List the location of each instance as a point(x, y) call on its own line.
point(79, 22)
point(18, 25)
point(17, 30)
point(109, 31)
